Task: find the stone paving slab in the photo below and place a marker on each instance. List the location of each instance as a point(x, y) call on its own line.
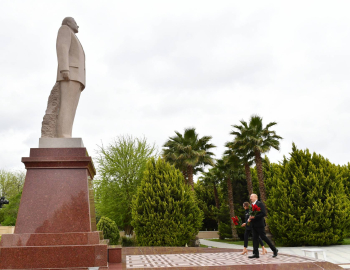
point(178, 258)
point(337, 254)
point(207, 259)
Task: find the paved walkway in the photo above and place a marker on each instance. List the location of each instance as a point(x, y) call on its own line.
point(191, 258)
point(209, 259)
point(338, 254)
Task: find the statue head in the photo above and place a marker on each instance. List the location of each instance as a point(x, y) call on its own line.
point(71, 23)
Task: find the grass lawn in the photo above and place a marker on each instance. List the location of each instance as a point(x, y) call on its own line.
point(205, 246)
point(346, 241)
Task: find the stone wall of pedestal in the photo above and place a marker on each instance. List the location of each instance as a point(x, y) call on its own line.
point(55, 225)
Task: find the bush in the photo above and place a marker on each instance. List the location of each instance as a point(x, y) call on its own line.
point(225, 230)
point(10, 211)
point(109, 229)
point(306, 201)
point(165, 210)
point(128, 241)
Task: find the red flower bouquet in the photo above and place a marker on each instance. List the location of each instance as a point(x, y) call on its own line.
point(253, 211)
point(236, 220)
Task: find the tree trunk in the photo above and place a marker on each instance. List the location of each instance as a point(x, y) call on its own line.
point(217, 202)
point(128, 229)
point(216, 196)
point(232, 208)
point(184, 173)
point(249, 178)
point(190, 176)
point(259, 168)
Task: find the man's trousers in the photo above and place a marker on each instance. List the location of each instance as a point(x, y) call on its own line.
point(260, 232)
point(246, 236)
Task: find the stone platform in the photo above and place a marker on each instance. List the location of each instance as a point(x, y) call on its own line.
point(212, 258)
point(56, 224)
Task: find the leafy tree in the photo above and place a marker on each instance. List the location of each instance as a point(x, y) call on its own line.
point(165, 210)
point(189, 153)
point(211, 180)
point(11, 186)
point(224, 167)
point(9, 212)
point(206, 203)
point(258, 139)
point(239, 147)
point(255, 181)
point(11, 183)
point(233, 186)
point(307, 201)
point(109, 229)
point(120, 169)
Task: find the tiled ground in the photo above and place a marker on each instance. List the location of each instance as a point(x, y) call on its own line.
point(207, 259)
point(177, 258)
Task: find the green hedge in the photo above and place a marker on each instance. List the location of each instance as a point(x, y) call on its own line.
point(306, 200)
point(165, 210)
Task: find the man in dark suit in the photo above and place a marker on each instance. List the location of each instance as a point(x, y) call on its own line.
point(258, 228)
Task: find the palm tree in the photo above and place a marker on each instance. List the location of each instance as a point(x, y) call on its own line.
point(246, 158)
point(189, 153)
point(212, 180)
point(255, 138)
point(225, 167)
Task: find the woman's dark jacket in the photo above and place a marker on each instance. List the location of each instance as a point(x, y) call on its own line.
point(246, 220)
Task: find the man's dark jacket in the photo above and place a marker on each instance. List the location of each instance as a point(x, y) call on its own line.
point(259, 220)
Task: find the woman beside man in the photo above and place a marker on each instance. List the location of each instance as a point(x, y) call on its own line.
point(248, 230)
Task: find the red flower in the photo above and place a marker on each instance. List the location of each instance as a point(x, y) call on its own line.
point(255, 208)
point(235, 220)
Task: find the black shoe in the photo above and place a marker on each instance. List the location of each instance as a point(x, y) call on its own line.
point(275, 253)
point(253, 256)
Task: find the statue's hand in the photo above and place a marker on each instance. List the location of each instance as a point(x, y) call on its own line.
point(65, 75)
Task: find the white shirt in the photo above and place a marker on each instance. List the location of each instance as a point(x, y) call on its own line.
point(254, 202)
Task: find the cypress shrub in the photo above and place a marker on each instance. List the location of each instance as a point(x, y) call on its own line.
point(307, 202)
point(165, 210)
point(346, 172)
point(225, 230)
point(109, 229)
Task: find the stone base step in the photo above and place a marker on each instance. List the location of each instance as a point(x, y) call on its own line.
point(47, 257)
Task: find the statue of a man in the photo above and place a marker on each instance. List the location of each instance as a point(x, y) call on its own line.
point(70, 75)
point(64, 97)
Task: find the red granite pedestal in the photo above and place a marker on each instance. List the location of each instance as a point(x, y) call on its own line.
point(114, 254)
point(56, 225)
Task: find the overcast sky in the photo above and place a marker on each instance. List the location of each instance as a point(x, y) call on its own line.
point(154, 67)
